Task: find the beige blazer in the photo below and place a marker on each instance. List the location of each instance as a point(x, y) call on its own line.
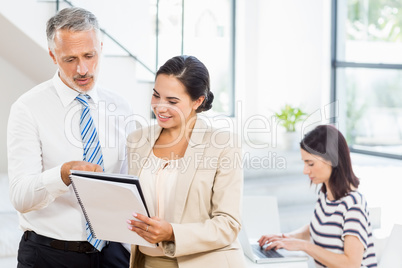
point(208, 197)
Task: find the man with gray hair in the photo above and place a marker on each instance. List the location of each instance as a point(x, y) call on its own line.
point(66, 123)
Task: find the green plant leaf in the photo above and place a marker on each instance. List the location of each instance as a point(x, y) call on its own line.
point(289, 116)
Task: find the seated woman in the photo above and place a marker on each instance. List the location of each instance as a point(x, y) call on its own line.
point(189, 176)
point(339, 234)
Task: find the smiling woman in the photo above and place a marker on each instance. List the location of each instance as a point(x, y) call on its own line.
point(178, 96)
point(170, 101)
point(194, 208)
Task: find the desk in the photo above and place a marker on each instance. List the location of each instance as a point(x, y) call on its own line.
point(299, 264)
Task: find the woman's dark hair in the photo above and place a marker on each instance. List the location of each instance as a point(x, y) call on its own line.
point(328, 143)
point(193, 74)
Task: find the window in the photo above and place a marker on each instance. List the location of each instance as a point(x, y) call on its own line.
point(204, 29)
point(367, 74)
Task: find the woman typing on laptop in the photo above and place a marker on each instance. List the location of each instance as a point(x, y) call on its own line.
point(339, 234)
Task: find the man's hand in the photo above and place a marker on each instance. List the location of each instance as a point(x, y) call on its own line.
point(77, 165)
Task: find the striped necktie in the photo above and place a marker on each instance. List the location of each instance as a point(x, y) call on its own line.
point(92, 152)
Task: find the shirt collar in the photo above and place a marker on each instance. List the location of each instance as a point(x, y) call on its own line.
point(67, 95)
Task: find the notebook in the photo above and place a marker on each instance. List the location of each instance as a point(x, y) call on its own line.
point(253, 251)
point(107, 202)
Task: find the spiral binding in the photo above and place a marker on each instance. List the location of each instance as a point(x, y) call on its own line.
point(83, 208)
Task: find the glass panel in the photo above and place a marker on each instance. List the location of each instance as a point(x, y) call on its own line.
point(170, 29)
point(372, 101)
point(208, 36)
point(370, 31)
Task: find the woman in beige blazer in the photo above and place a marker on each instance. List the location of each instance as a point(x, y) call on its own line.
point(191, 176)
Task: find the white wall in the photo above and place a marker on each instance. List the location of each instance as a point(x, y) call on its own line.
point(290, 53)
point(13, 84)
point(23, 64)
point(30, 16)
point(283, 57)
point(119, 74)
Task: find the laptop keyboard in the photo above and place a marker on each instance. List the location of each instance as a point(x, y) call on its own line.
point(265, 253)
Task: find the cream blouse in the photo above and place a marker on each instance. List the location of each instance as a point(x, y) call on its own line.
point(158, 181)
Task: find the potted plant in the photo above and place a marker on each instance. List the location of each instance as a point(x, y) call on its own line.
point(289, 116)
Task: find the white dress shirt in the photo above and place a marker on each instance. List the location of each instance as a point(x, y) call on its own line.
point(43, 133)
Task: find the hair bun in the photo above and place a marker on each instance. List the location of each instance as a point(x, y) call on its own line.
point(207, 104)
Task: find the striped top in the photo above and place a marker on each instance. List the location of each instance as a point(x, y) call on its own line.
point(333, 220)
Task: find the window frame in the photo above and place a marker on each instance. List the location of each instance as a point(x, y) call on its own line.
point(336, 65)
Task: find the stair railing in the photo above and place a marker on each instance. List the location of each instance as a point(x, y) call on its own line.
point(131, 55)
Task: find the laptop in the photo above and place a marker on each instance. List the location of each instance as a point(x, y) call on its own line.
point(391, 254)
point(254, 252)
